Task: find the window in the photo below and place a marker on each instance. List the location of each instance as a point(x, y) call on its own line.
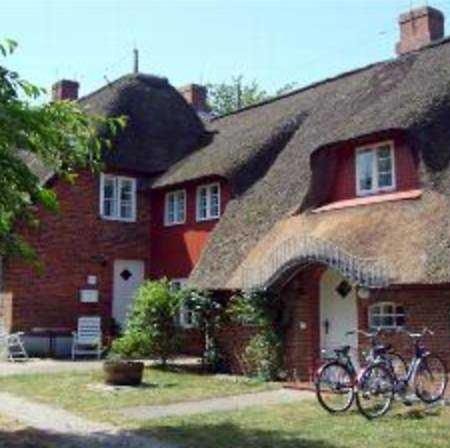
point(186, 317)
point(208, 202)
point(175, 208)
point(117, 197)
point(386, 315)
point(375, 169)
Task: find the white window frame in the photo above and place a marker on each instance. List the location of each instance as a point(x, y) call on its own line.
point(395, 314)
point(208, 188)
point(117, 182)
point(168, 223)
point(375, 188)
point(183, 321)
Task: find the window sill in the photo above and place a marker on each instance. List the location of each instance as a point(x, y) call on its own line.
point(174, 224)
point(110, 218)
point(213, 218)
point(368, 200)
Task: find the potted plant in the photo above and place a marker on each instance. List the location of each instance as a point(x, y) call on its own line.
point(120, 369)
point(151, 331)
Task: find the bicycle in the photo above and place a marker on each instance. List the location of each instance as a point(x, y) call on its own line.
point(377, 385)
point(336, 379)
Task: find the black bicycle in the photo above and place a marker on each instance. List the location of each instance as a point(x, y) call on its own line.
point(336, 379)
point(377, 384)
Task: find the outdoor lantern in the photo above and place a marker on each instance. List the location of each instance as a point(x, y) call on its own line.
point(363, 293)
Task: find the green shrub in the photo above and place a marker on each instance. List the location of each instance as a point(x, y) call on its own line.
point(261, 356)
point(151, 328)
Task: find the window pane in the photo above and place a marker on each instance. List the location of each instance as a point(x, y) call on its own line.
point(126, 210)
point(109, 197)
point(385, 180)
point(384, 165)
point(365, 170)
point(203, 204)
point(126, 190)
point(108, 188)
point(400, 321)
point(180, 207)
point(170, 212)
point(109, 207)
point(376, 321)
point(214, 191)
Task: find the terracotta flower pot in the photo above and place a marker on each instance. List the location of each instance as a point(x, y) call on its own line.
point(123, 373)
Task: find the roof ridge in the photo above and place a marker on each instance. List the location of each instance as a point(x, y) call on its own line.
point(344, 74)
point(140, 76)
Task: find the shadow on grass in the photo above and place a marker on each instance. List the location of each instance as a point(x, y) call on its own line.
point(230, 435)
point(33, 438)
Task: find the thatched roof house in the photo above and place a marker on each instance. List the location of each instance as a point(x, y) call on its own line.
point(265, 152)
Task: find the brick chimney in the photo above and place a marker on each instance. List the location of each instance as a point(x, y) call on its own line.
point(418, 28)
point(196, 95)
point(65, 90)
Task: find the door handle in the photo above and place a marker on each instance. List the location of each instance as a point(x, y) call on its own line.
point(326, 324)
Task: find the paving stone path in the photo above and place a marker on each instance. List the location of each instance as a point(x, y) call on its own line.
point(233, 403)
point(70, 430)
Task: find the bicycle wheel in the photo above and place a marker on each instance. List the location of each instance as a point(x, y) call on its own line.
point(334, 387)
point(375, 390)
point(430, 380)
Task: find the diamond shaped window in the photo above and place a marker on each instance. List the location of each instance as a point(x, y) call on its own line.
point(126, 274)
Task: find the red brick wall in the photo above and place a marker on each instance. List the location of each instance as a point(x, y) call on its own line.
point(72, 245)
point(232, 341)
point(424, 305)
point(176, 249)
point(344, 180)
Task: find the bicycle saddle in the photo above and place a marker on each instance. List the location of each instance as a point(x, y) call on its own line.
point(382, 348)
point(342, 350)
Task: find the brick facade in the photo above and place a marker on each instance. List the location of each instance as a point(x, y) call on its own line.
point(425, 306)
point(71, 245)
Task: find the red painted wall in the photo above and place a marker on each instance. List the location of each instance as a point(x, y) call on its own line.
point(344, 179)
point(176, 249)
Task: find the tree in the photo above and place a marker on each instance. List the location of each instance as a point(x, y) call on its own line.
point(228, 97)
point(225, 98)
point(58, 134)
point(151, 328)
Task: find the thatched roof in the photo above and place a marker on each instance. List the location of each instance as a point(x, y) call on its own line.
point(161, 129)
point(265, 153)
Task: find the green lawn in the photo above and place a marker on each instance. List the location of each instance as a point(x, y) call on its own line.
point(300, 425)
point(306, 425)
point(81, 392)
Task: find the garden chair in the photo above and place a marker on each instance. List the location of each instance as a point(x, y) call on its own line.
point(12, 345)
point(88, 339)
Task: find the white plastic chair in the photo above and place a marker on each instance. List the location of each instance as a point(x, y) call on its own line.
point(12, 345)
point(88, 339)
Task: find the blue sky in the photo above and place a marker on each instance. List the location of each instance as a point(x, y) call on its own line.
point(272, 41)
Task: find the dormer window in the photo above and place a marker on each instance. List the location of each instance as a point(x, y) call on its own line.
point(375, 171)
point(208, 202)
point(117, 197)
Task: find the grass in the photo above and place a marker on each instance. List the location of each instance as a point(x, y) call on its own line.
point(300, 425)
point(81, 392)
point(306, 425)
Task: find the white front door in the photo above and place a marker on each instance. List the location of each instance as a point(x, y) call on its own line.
point(128, 275)
point(338, 314)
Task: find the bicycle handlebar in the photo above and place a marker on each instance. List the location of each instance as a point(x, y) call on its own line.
point(364, 333)
point(424, 332)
